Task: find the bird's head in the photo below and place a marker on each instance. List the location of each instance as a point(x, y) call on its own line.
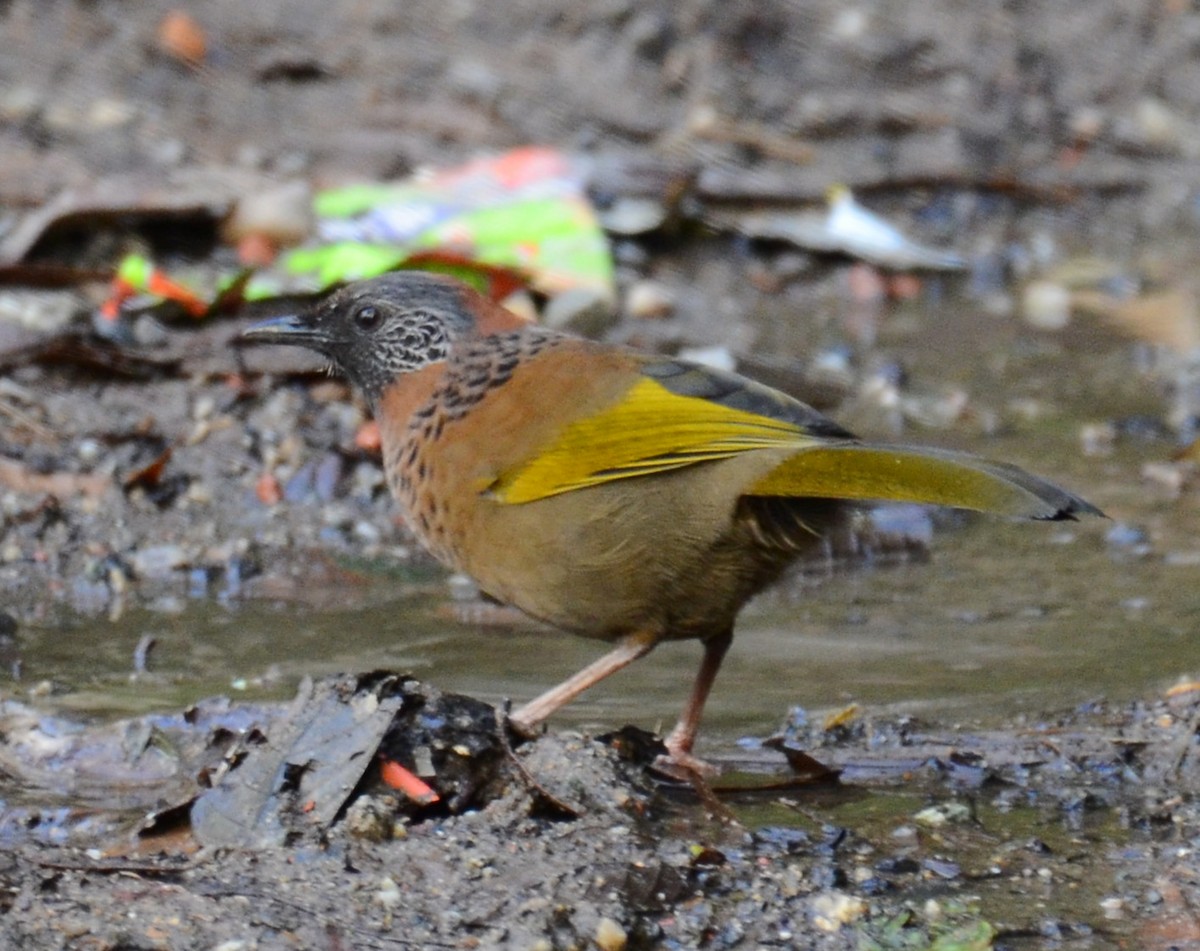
point(397, 323)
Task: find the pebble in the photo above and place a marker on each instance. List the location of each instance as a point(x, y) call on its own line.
point(327, 476)
point(943, 813)
point(1097, 439)
point(204, 407)
point(580, 310)
point(832, 910)
point(898, 864)
point(630, 254)
point(1046, 305)
point(649, 300)
point(372, 819)
point(1157, 123)
point(942, 868)
point(388, 894)
point(1166, 476)
point(1122, 535)
point(610, 936)
point(18, 103)
point(367, 532)
point(89, 451)
point(199, 493)
point(282, 215)
point(631, 215)
point(1113, 907)
point(157, 561)
point(148, 331)
point(46, 311)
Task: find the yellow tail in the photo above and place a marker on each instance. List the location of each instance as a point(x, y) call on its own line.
point(929, 476)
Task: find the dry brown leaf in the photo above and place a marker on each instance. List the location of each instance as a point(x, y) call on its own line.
point(62, 485)
point(1170, 318)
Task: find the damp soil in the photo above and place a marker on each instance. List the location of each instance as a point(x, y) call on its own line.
point(1008, 709)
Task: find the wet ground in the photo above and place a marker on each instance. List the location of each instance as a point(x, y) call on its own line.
point(1018, 678)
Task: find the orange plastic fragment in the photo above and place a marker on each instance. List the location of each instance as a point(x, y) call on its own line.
point(181, 37)
point(158, 283)
point(367, 438)
point(256, 250)
point(267, 489)
point(412, 785)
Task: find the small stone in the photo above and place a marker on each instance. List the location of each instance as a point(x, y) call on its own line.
point(157, 561)
point(109, 113)
point(649, 300)
point(1157, 123)
point(204, 407)
point(198, 493)
point(942, 868)
point(1166, 476)
point(1097, 439)
point(372, 819)
point(366, 532)
point(89, 451)
point(832, 910)
point(1122, 535)
point(633, 215)
point(610, 936)
point(1046, 305)
point(149, 331)
point(388, 893)
point(282, 215)
point(943, 813)
point(1086, 123)
point(580, 310)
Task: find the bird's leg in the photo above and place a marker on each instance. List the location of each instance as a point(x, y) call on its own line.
point(628, 649)
point(680, 740)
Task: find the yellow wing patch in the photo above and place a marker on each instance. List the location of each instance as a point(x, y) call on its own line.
point(650, 430)
point(653, 429)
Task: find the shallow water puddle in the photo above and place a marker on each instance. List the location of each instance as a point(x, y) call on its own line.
point(1006, 619)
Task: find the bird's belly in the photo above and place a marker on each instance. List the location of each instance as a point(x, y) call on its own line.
point(664, 554)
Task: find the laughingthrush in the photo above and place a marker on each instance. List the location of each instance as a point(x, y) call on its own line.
point(619, 495)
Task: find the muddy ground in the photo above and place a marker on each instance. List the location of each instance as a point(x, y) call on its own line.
point(1029, 123)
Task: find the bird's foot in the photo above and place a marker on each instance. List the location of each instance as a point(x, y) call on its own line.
point(679, 763)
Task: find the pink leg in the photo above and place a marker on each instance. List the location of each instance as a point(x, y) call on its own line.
point(680, 741)
point(628, 649)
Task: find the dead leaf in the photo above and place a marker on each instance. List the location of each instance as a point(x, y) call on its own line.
point(62, 485)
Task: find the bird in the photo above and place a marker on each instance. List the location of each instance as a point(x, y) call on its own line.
point(619, 495)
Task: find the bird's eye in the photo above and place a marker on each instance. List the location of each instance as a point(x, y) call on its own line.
point(367, 317)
